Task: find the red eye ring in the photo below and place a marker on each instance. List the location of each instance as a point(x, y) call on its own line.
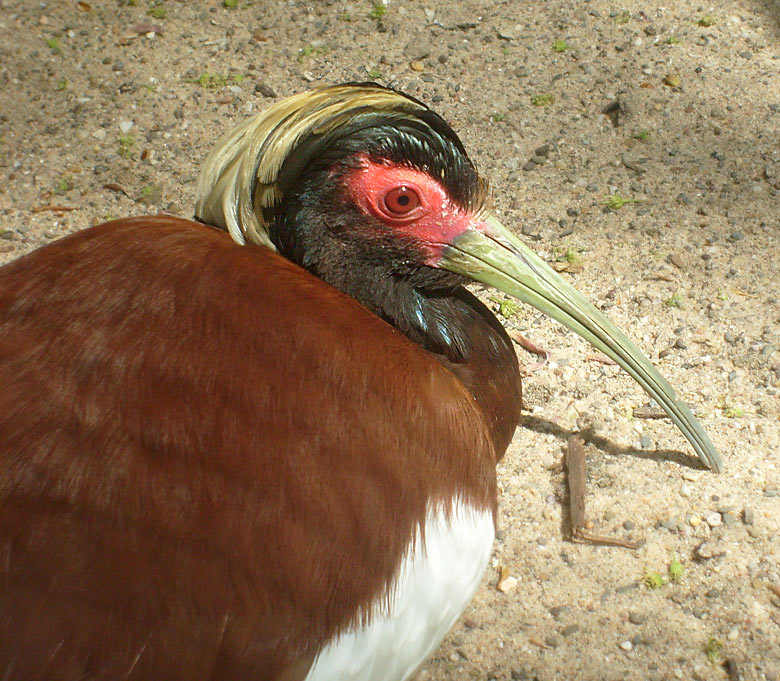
point(400, 201)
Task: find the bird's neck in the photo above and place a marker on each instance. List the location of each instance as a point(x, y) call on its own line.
point(461, 333)
point(428, 305)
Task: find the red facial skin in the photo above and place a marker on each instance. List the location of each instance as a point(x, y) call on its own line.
point(429, 217)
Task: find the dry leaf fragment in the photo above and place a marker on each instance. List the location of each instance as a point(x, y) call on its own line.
point(570, 267)
point(146, 27)
point(672, 80)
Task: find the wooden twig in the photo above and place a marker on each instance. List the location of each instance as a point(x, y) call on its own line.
point(649, 413)
point(575, 467)
point(660, 276)
point(601, 359)
point(114, 187)
point(526, 344)
point(577, 476)
point(53, 209)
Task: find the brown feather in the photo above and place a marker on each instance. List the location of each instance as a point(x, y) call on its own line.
point(190, 486)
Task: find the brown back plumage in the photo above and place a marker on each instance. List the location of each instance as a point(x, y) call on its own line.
point(184, 473)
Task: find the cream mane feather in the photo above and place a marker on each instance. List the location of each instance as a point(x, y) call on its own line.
point(241, 175)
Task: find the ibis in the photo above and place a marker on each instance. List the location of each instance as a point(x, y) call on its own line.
point(262, 444)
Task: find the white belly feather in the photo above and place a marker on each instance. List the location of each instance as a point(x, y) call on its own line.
point(434, 585)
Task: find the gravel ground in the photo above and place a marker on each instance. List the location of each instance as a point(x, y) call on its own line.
point(109, 107)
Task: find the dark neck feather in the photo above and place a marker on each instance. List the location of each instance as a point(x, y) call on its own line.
point(457, 329)
point(441, 316)
point(320, 231)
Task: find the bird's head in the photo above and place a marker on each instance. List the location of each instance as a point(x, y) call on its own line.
point(360, 176)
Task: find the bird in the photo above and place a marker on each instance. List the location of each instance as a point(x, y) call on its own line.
point(261, 444)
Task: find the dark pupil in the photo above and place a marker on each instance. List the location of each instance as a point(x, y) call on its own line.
point(403, 200)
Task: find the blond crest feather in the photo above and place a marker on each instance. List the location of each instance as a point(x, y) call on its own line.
point(240, 176)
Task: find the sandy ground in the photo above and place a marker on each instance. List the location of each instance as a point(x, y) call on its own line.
point(108, 108)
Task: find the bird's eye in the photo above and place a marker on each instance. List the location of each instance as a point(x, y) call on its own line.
point(401, 201)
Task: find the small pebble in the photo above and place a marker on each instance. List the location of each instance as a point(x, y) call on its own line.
point(265, 89)
point(729, 519)
point(636, 617)
point(529, 165)
point(710, 549)
point(417, 50)
point(553, 640)
point(694, 521)
point(626, 645)
point(570, 630)
point(628, 525)
point(713, 519)
point(748, 515)
point(686, 489)
point(684, 199)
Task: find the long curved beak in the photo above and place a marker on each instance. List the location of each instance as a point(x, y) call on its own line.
point(489, 253)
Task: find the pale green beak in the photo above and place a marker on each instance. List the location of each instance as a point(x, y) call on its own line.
point(491, 254)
